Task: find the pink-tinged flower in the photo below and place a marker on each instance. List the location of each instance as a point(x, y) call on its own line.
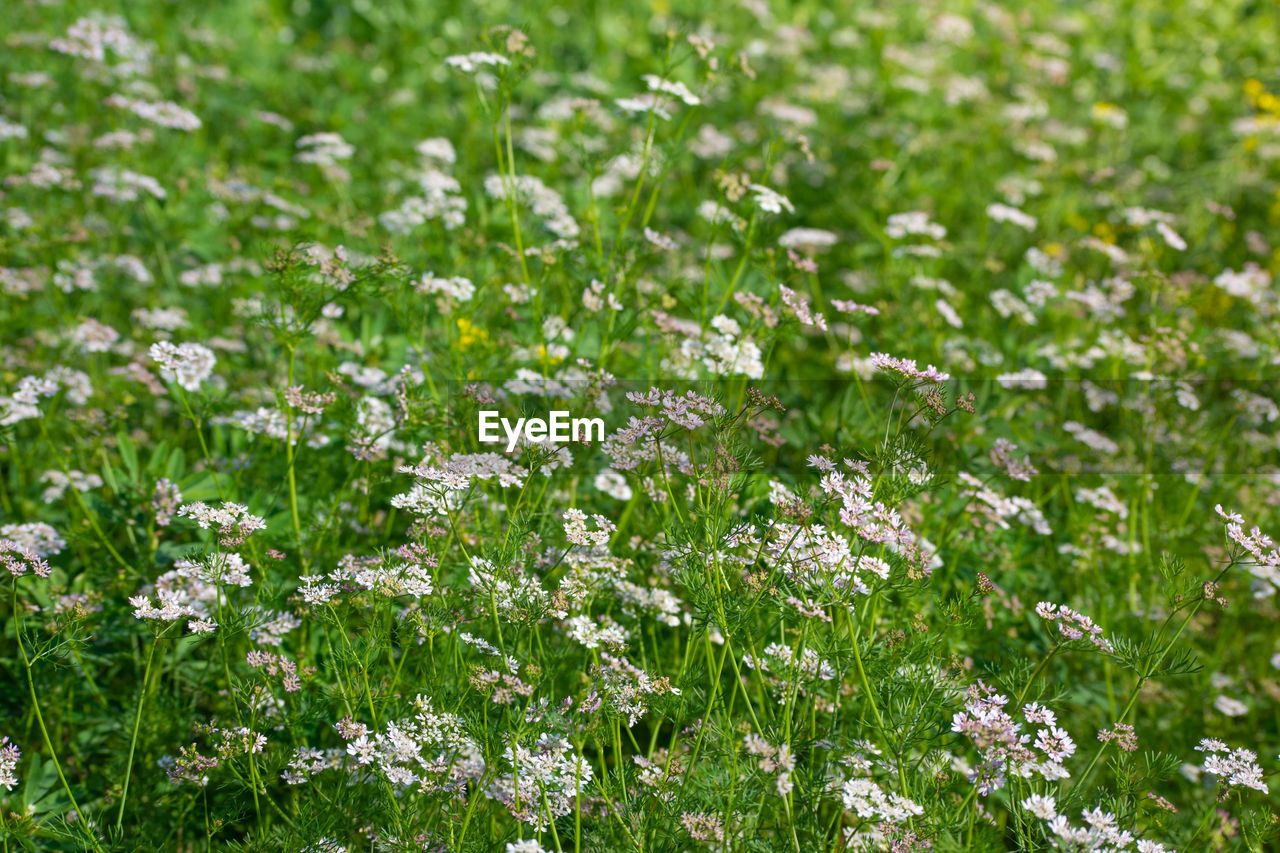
point(19, 559)
point(846, 306)
point(907, 368)
point(9, 756)
point(1073, 625)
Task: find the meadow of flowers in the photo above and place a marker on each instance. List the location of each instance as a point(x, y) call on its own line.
point(933, 345)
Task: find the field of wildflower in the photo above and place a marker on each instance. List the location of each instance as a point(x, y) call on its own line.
point(919, 362)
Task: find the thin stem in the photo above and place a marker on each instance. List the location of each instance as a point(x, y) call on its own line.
point(81, 820)
point(293, 482)
point(137, 722)
point(1137, 688)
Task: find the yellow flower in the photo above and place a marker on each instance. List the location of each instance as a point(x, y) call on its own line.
point(542, 355)
point(1253, 87)
point(1110, 114)
point(469, 334)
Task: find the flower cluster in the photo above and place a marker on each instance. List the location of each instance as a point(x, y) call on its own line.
point(1073, 625)
point(233, 521)
point(18, 558)
point(1236, 768)
point(9, 757)
point(907, 369)
point(545, 781)
point(1004, 748)
point(429, 751)
point(187, 364)
point(266, 277)
point(773, 759)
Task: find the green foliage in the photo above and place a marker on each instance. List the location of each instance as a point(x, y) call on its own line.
point(266, 264)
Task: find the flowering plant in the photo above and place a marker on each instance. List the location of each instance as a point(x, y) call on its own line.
point(932, 498)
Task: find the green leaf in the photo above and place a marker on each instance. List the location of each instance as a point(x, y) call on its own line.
point(42, 776)
point(128, 454)
point(176, 465)
point(159, 459)
point(109, 475)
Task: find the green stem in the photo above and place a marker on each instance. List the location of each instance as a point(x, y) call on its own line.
point(1137, 688)
point(137, 722)
point(293, 483)
point(81, 818)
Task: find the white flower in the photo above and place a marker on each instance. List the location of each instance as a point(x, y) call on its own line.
point(575, 528)
point(527, 845)
point(229, 517)
point(124, 185)
point(37, 537)
point(456, 287)
point(915, 222)
point(811, 240)
point(671, 87)
point(613, 484)
point(1173, 238)
point(1042, 807)
point(643, 104)
point(470, 63)
point(868, 800)
point(1237, 767)
point(608, 633)
point(771, 201)
point(187, 364)
point(1005, 213)
point(323, 149)
point(437, 148)
point(1028, 378)
point(164, 113)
